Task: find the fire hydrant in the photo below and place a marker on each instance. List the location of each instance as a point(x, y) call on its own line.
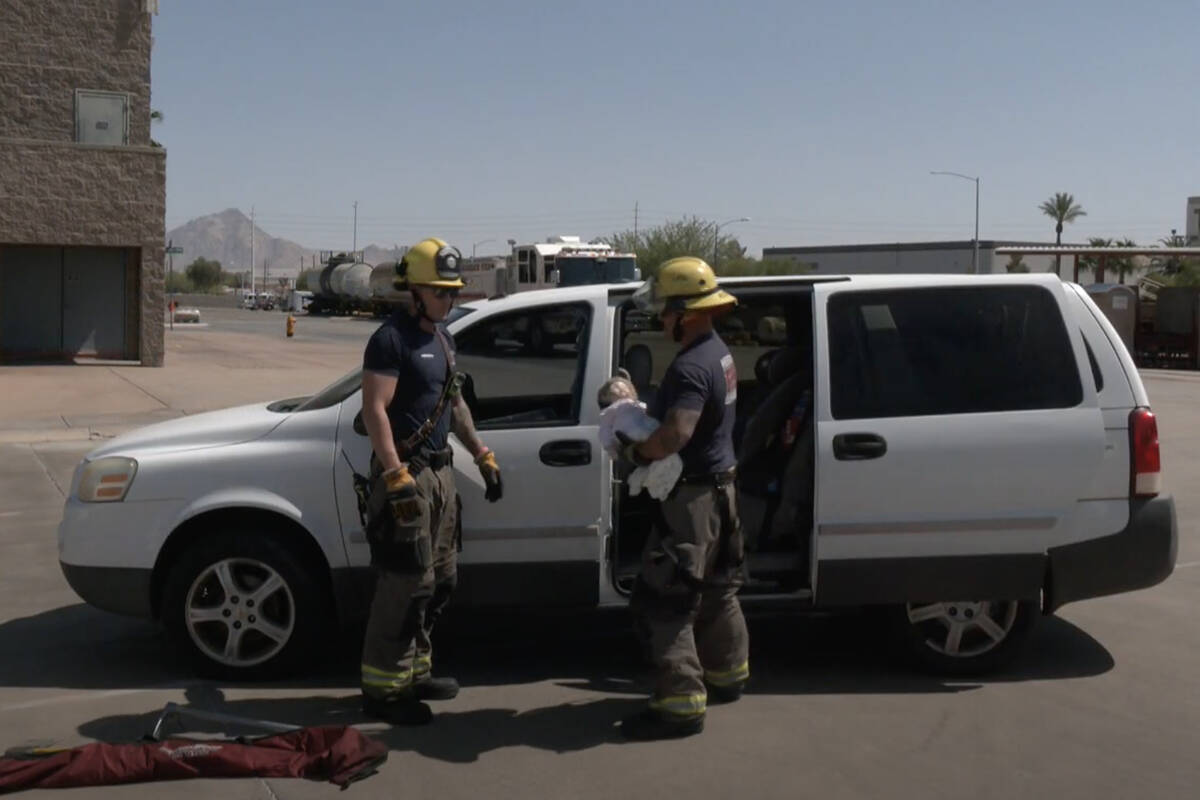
point(291, 326)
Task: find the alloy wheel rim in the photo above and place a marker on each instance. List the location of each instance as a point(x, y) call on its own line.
point(240, 612)
point(964, 628)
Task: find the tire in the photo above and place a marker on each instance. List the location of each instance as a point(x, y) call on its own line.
point(926, 634)
point(215, 608)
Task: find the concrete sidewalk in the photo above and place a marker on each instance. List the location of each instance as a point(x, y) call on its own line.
point(205, 370)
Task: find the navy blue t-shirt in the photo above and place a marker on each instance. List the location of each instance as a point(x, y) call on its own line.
point(703, 378)
point(415, 358)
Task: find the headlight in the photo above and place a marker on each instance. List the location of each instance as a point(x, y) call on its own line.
point(106, 480)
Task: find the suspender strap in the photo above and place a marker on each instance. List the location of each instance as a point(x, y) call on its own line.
point(449, 391)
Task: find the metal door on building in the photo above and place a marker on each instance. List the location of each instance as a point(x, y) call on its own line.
point(30, 302)
point(57, 302)
point(93, 302)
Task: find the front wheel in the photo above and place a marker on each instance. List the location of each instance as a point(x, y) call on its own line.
point(244, 606)
point(962, 637)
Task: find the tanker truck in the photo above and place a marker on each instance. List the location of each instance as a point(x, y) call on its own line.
point(344, 285)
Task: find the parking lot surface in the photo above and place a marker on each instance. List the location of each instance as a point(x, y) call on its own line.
point(1103, 704)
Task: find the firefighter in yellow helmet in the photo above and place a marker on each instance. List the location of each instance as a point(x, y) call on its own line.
point(685, 600)
point(411, 404)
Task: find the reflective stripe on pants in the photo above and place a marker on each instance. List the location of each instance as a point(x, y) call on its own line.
point(422, 665)
point(384, 682)
point(683, 705)
point(729, 677)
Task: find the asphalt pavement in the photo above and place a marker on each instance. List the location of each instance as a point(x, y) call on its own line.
point(272, 324)
point(1103, 705)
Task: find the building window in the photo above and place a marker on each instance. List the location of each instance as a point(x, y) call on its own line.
point(101, 117)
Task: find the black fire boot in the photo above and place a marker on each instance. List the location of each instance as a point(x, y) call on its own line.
point(435, 688)
point(401, 711)
point(649, 725)
point(718, 695)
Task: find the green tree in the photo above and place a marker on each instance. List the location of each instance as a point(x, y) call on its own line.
point(1062, 208)
point(1125, 265)
point(693, 236)
point(1181, 270)
point(1093, 262)
point(1016, 263)
point(179, 283)
point(690, 236)
point(1122, 265)
point(205, 274)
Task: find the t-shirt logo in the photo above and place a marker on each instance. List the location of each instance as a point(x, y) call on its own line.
point(730, 379)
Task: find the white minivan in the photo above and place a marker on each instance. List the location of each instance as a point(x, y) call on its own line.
point(964, 451)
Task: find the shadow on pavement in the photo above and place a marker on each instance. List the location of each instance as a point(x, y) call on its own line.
point(592, 652)
point(836, 654)
point(80, 647)
point(454, 736)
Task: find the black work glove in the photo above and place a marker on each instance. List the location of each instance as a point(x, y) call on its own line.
point(490, 470)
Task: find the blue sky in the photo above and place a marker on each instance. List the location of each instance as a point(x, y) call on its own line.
point(820, 121)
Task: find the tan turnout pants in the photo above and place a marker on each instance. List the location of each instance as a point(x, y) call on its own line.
point(685, 602)
point(410, 594)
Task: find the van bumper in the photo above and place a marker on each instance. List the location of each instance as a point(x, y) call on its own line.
point(119, 590)
point(1141, 555)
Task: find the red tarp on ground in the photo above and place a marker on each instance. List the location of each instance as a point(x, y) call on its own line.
point(339, 754)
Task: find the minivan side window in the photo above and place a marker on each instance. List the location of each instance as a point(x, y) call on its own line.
point(525, 368)
point(951, 350)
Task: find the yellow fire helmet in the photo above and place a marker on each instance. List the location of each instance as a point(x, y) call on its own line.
point(430, 262)
point(683, 284)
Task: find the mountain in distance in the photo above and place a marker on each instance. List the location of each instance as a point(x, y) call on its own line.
point(225, 237)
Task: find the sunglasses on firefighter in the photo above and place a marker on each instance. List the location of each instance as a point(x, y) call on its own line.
point(441, 293)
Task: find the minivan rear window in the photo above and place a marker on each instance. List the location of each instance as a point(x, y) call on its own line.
point(951, 350)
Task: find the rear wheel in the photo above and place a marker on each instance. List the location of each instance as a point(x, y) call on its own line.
point(964, 637)
point(245, 606)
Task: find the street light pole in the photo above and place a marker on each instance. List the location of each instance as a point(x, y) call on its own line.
point(354, 245)
point(476, 244)
point(717, 236)
point(975, 241)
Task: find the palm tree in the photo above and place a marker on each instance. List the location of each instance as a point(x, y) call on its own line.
point(1183, 271)
point(1062, 209)
point(1126, 264)
point(1092, 262)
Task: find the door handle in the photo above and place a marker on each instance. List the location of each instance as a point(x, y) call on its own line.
point(858, 446)
point(566, 453)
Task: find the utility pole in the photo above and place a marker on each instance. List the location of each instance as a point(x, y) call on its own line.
point(354, 246)
point(170, 275)
point(251, 249)
point(635, 225)
point(975, 241)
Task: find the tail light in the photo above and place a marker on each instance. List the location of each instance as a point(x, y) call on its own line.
point(1146, 466)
